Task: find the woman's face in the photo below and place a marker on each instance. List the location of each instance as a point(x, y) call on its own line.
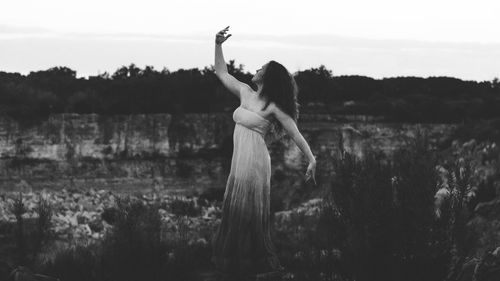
point(259, 75)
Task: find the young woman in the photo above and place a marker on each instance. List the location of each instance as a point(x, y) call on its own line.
point(242, 246)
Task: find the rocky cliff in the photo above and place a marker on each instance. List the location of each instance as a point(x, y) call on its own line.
point(179, 152)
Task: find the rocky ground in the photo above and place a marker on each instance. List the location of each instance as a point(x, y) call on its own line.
point(82, 217)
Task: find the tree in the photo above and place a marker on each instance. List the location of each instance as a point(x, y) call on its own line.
point(314, 84)
point(125, 72)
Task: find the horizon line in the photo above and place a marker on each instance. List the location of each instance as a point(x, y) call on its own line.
point(86, 77)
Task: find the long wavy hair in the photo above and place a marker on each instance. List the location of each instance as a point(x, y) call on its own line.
point(279, 86)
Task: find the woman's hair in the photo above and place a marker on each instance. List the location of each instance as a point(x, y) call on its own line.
point(280, 87)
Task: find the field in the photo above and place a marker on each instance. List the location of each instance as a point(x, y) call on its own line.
point(423, 215)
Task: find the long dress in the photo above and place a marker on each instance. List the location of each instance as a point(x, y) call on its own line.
point(242, 244)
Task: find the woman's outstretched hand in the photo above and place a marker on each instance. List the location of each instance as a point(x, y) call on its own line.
point(220, 37)
point(311, 171)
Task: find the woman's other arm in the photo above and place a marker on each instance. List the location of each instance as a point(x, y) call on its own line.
point(292, 130)
point(229, 81)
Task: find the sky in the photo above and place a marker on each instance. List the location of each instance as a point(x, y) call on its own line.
point(384, 38)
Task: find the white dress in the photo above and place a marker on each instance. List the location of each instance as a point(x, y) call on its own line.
point(242, 244)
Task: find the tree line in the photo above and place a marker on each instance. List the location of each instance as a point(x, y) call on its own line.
point(132, 90)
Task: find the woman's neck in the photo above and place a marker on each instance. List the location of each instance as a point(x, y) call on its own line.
point(259, 89)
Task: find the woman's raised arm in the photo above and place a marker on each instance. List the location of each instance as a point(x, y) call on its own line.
point(231, 83)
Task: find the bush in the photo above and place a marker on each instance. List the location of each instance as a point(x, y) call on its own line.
point(186, 260)
point(76, 264)
point(182, 207)
point(133, 250)
point(212, 194)
point(455, 214)
point(482, 130)
point(19, 209)
point(109, 215)
point(381, 217)
point(44, 224)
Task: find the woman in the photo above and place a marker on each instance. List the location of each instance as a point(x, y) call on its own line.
point(242, 246)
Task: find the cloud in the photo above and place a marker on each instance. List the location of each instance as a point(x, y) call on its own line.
point(12, 29)
point(26, 49)
point(16, 32)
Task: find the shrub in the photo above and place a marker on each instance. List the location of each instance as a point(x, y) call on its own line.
point(186, 260)
point(76, 263)
point(109, 215)
point(133, 250)
point(212, 194)
point(18, 209)
point(182, 207)
point(456, 213)
point(481, 130)
point(44, 210)
point(381, 217)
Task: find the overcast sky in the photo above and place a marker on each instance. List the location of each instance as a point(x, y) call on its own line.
point(384, 38)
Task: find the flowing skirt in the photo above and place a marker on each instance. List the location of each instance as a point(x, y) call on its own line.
point(242, 243)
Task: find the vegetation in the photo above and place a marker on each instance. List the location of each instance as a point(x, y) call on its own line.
point(132, 90)
point(404, 218)
point(400, 218)
point(381, 217)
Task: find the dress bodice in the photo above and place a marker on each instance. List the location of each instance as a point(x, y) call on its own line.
point(251, 120)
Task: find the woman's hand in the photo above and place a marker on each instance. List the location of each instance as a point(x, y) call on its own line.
point(311, 171)
point(220, 38)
